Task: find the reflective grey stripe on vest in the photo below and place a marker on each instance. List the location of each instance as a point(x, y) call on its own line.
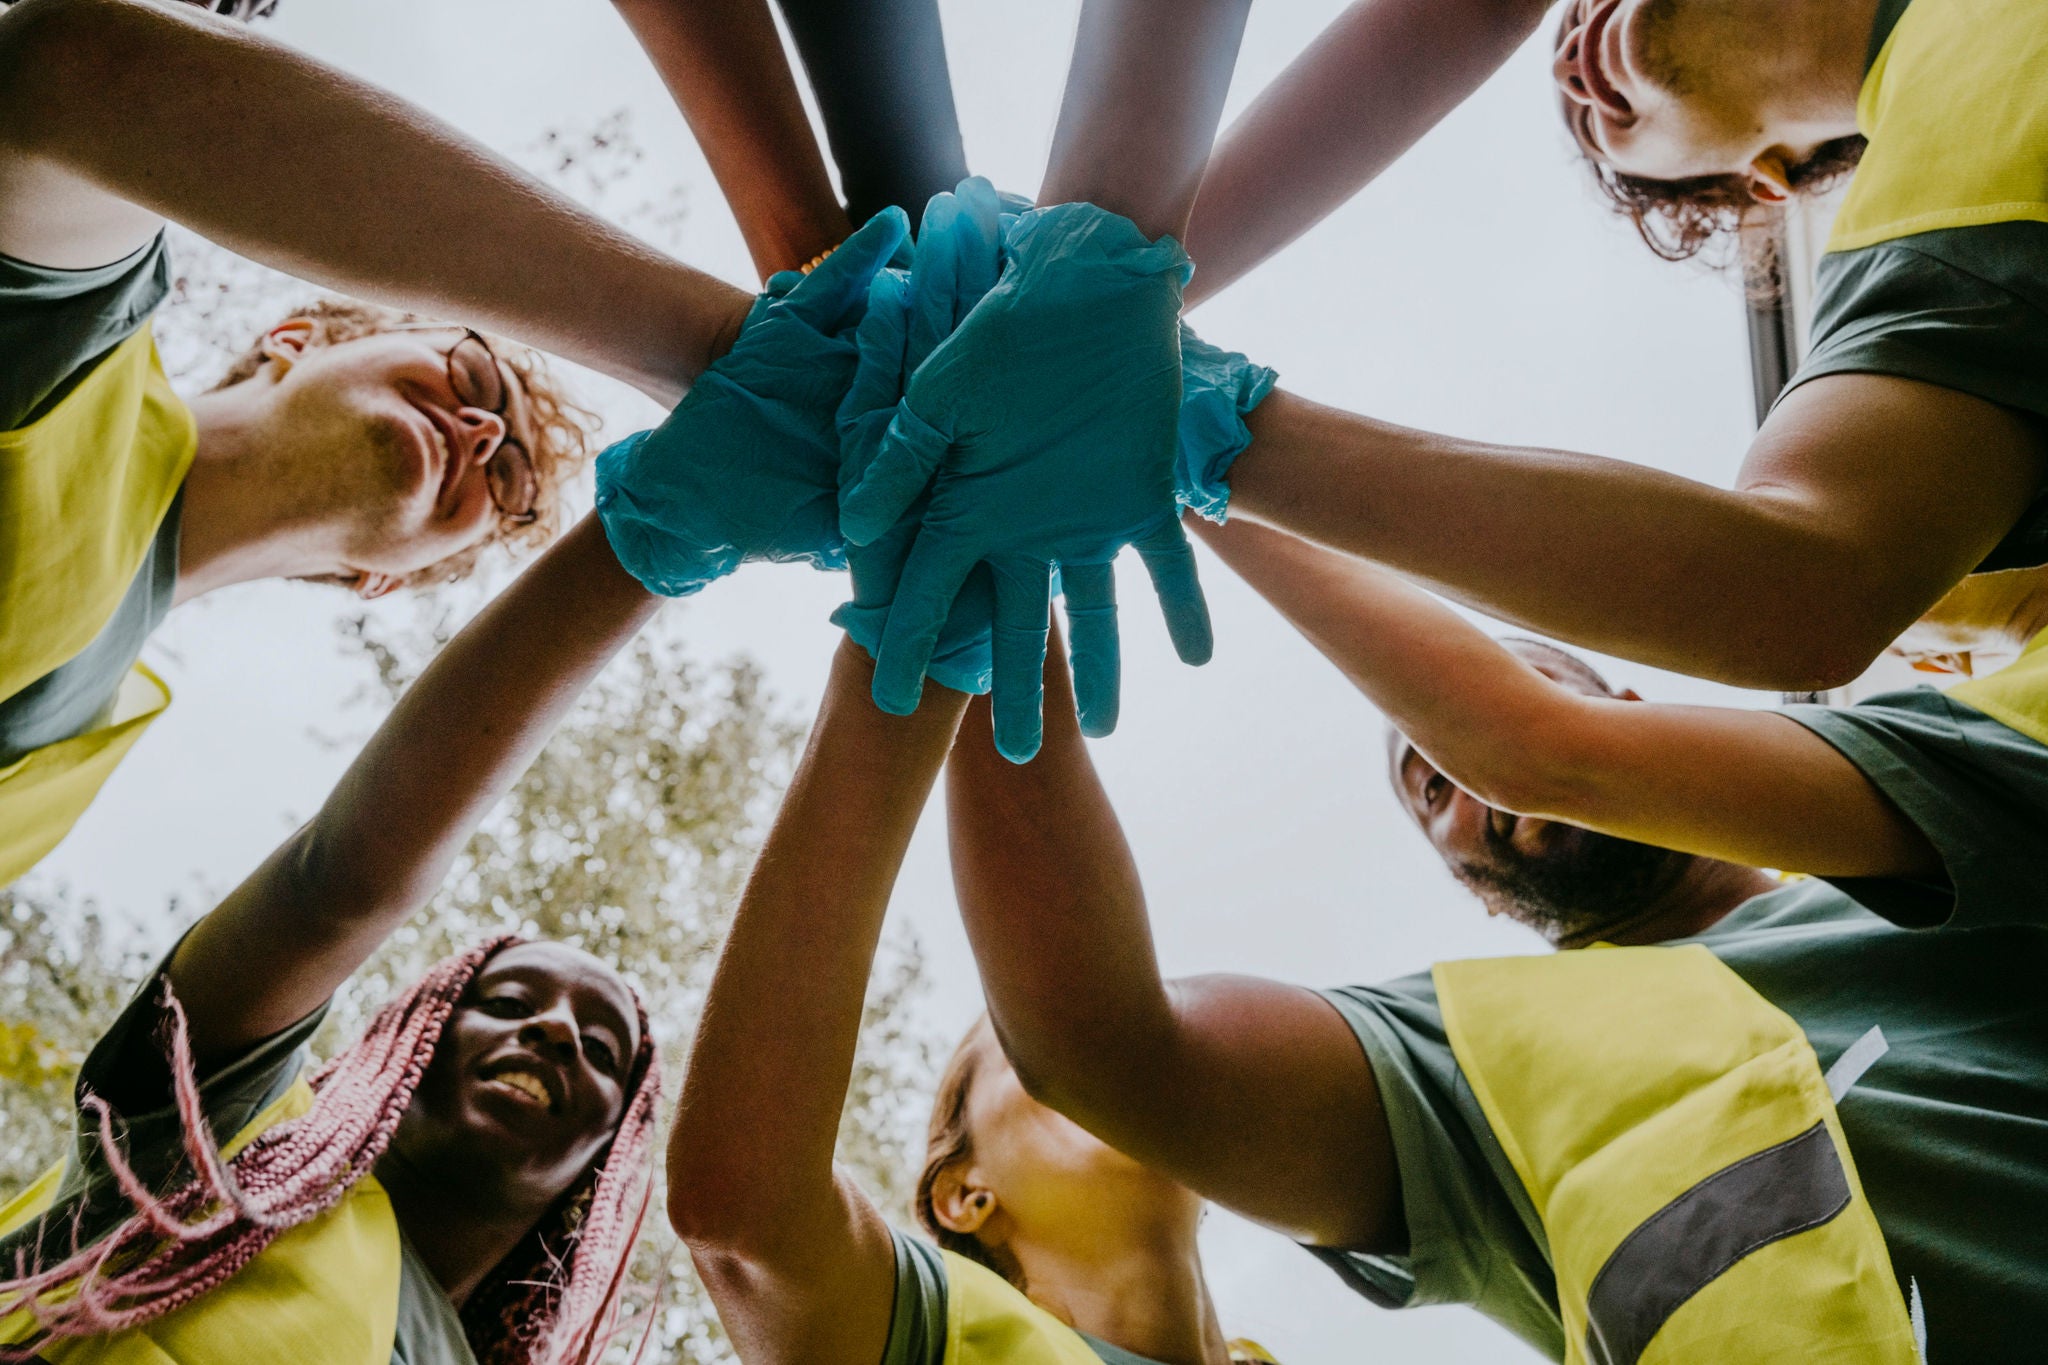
point(1684, 1246)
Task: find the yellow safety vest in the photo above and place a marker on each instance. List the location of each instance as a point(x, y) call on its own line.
point(1956, 110)
point(83, 490)
point(324, 1293)
point(2016, 695)
point(988, 1322)
point(1677, 1139)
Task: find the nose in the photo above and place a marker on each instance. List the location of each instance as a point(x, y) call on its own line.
point(553, 1028)
point(1566, 67)
point(482, 431)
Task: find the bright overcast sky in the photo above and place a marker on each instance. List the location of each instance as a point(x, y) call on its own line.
point(1477, 288)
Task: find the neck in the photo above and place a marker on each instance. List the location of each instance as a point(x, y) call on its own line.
point(1144, 1294)
point(241, 522)
point(1695, 903)
point(459, 1236)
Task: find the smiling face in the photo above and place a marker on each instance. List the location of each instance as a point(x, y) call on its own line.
point(382, 443)
point(530, 1079)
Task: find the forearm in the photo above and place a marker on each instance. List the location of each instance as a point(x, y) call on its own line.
point(382, 842)
point(1054, 908)
point(1746, 786)
point(723, 63)
point(1398, 645)
point(750, 1156)
point(317, 174)
point(1622, 558)
point(1144, 95)
point(1372, 84)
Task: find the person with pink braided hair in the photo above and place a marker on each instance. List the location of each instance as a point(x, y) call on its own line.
point(465, 1183)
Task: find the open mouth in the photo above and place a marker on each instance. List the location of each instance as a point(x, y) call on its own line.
point(515, 1079)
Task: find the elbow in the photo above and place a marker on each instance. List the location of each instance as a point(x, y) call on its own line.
point(703, 1210)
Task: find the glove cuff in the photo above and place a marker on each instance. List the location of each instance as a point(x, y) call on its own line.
point(644, 541)
point(1212, 434)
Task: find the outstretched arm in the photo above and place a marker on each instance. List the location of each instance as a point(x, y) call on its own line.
point(113, 112)
point(1252, 1093)
point(1144, 94)
point(722, 61)
point(1372, 84)
point(1863, 499)
point(285, 939)
point(798, 1261)
point(1751, 787)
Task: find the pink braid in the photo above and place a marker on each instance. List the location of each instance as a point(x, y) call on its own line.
point(175, 1249)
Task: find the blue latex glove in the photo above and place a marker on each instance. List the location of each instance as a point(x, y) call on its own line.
point(1218, 390)
point(1049, 418)
point(958, 259)
point(747, 466)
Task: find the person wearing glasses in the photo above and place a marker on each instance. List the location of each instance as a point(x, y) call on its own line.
point(354, 443)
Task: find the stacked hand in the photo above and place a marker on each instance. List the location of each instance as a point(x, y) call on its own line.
point(747, 466)
point(987, 429)
point(1044, 428)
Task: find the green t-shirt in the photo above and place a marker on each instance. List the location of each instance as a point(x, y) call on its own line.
point(917, 1325)
point(127, 1068)
point(1949, 1129)
point(1965, 308)
point(55, 327)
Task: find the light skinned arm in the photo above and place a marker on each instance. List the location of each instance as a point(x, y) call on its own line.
point(1863, 499)
point(1751, 787)
point(1252, 1093)
point(723, 62)
point(288, 936)
point(1378, 78)
point(114, 113)
point(798, 1262)
point(1143, 97)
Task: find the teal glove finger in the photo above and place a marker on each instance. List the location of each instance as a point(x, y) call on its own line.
point(1052, 415)
point(1023, 607)
point(1219, 389)
point(956, 262)
point(1092, 645)
point(1170, 560)
point(932, 578)
point(904, 320)
point(746, 467)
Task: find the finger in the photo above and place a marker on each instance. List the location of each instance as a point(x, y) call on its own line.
point(1092, 645)
point(878, 372)
point(1171, 563)
point(931, 579)
point(934, 280)
point(981, 243)
point(1017, 650)
point(909, 454)
point(830, 297)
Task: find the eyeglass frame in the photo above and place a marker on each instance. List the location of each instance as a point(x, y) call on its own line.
point(501, 412)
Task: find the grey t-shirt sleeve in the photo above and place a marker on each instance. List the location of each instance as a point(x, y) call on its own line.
point(917, 1323)
point(128, 1069)
point(429, 1327)
point(55, 325)
point(1978, 789)
point(1472, 1236)
point(1965, 308)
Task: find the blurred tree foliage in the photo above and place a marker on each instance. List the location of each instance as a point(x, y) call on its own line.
point(630, 835)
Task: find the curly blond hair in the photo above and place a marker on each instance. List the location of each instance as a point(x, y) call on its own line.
point(562, 428)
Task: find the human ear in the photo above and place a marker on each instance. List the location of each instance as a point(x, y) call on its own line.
point(284, 344)
point(1770, 182)
point(959, 1203)
point(371, 586)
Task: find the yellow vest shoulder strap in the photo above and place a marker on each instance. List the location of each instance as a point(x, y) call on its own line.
point(324, 1293)
point(988, 1322)
point(2016, 695)
point(1956, 110)
point(1675, 1135)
